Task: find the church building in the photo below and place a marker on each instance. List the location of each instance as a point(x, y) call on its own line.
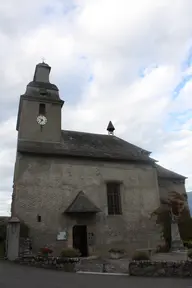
point(92, 192)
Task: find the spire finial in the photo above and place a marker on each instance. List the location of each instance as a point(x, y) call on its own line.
point(43, 59)
point(110, 128)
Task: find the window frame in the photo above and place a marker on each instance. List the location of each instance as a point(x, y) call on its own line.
point(114, 201)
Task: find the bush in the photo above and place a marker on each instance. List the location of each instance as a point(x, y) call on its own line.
point(188, 244)
point(70, 253)
point(185, 228)
point(141, 256)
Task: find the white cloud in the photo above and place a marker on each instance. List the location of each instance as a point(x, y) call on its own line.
point(112, 41)
point(183, 101)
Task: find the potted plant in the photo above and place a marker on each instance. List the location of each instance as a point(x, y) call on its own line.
point(46, 251)
point(116, 253)
point(69, 257)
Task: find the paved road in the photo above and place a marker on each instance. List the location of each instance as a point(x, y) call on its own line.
point(13, 275)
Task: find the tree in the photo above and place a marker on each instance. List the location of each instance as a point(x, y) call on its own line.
point(175, 205)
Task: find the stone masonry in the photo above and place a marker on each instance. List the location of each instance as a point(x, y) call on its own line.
point(46, 187)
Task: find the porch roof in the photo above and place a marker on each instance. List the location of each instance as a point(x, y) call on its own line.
point(82, 204)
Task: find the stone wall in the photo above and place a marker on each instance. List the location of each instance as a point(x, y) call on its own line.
point(160, 269)
point(47, 186)
point(55, 263)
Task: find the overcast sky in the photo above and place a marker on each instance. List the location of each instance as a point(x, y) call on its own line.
point(120, 60)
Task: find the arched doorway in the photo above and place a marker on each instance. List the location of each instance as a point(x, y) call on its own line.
point(80, 239)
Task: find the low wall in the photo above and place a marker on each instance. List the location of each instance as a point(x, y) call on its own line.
point(57, 263)
point(75, 264)
point(160, 269)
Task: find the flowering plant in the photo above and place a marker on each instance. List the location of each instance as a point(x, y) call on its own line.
point(46, 250)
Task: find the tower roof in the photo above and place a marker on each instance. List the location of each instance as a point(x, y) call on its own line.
point(40, 89)
point(41, 84)
point(42, 72)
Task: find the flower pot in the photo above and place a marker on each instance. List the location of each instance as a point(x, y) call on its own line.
point(115, 255)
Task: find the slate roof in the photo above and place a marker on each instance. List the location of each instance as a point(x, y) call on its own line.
point(165, 173)
point(82, 204)
point(82, 144)
point(95, 146)
point(102, 145)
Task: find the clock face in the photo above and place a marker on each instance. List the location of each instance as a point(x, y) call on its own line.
point(41, 120)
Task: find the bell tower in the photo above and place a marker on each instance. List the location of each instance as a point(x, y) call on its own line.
point(39, 115)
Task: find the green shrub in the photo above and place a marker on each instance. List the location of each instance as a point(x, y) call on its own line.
point(188, 244)
point(140, 256)
point(70, 253)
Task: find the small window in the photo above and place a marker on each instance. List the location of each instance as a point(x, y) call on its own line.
point(114, 198)
point(38, 218)
point(42, 110)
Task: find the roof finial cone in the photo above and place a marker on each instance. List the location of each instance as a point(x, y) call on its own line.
point(110, 128)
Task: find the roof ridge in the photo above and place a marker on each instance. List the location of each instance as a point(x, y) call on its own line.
point(84, 132)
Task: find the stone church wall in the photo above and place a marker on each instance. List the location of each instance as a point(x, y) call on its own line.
point(47, 186)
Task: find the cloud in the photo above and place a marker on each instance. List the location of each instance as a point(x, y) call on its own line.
point(124, 61)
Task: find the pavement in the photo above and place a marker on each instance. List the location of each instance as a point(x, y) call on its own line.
point(17, 276)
